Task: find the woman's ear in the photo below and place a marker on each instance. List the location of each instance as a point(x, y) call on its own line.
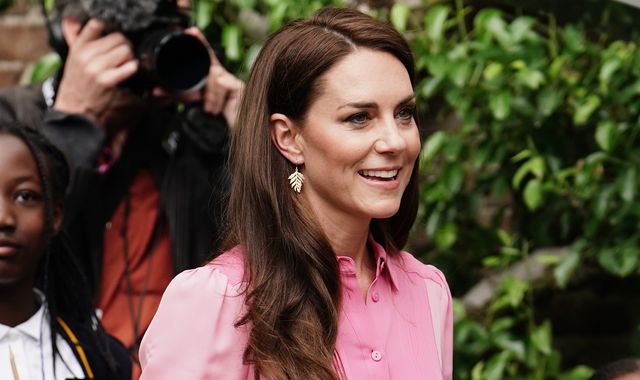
point(285, 135)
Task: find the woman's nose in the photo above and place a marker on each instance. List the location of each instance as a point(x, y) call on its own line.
point(7, 216)
point(391, 139)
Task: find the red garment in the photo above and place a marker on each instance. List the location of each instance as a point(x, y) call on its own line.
point(150, 263)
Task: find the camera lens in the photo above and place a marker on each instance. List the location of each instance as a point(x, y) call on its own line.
point(175, 60)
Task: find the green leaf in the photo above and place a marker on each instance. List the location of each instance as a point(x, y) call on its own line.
point(498, 28)
point(548, 259)
point(601, 201)
point(492, 261)
point(446, 236)
point(510, 251)
point(203, 11)
point(460, 72)
point(548, 100)
point(453, 177)
point(231, 41)
point(430, 86)
point(502, 324)
point(514, 291)
point(492, 71)
point(432, 146)
point(277, 14)
point(500, 104)
point(533, 194)
point(568, 263)
point(531, 78)
point(628, 190)
point(573, 38)
point(608, 69)
point(535, 165)
point(580, 372)
point(585, 109)
point(399, 16)
point(45, 67)
point(520, 27)
point(619, 260)
point(525, 153)
point(606, 135)
point(541, 338)
point(505, 237)
point(510, 344)
point(438, 65)
point(477, 370)
point(470, 335)
point(496, 366)
point(434, 22)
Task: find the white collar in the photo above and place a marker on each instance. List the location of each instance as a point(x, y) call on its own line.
point(32, 327)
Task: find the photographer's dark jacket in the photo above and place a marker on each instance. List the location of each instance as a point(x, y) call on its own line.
point(185, 153)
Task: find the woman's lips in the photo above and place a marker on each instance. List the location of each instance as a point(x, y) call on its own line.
point(8, 248)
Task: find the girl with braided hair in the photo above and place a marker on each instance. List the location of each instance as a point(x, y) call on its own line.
point(48, 329)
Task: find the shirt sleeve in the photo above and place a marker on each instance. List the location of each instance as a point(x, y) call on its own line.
point(442, 316)
point(74, 134)
point(192, 335)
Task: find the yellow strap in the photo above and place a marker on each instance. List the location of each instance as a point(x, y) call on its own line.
point(78, 347)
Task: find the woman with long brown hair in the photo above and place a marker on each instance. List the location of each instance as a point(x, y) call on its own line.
point(313, 283)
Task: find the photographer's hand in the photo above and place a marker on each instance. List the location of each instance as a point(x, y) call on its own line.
point(95, 65)
point(222, 93)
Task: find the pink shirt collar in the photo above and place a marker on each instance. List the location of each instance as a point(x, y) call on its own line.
point(384, 264)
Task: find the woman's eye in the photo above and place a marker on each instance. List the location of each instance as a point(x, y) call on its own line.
point(358, 118)
point(28, 197)
point(407, 113)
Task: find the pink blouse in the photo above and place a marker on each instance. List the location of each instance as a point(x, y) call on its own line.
point(402, 330)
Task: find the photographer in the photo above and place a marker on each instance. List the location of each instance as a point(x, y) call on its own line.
point(149, 163)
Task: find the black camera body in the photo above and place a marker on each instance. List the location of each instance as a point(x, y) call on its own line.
point(168, 57)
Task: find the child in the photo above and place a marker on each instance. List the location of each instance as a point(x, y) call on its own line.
point(48, 329)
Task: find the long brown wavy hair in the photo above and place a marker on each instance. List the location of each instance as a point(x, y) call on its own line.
point(293, 283)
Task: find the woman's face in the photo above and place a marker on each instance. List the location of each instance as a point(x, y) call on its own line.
point(21, 212)
point(359, 138)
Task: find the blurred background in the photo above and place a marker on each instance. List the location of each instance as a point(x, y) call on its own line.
point(530, 113)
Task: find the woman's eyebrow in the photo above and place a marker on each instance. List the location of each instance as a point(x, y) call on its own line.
point(407, 99)
point(360, 105)
point(374, 104)
point(24, 178)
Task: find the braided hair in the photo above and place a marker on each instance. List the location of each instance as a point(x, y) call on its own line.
point(59, 275)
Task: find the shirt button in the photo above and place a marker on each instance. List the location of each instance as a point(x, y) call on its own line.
point(376, 355)
point(375, 297)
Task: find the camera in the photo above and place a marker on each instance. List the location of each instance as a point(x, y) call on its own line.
point(168, 57)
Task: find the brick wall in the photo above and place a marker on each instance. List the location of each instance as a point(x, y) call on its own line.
point(23, 39)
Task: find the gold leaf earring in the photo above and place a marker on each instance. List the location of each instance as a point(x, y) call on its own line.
point(295, 180)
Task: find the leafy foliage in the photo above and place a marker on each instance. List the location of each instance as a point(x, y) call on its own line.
point(544, 145)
